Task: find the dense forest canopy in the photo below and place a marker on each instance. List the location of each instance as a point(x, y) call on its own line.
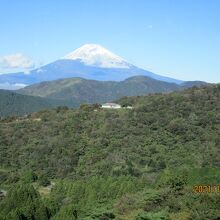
point(73, 92)
point(13, 104)
point(93, 163)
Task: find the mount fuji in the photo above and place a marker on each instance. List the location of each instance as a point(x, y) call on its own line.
point(91, 61)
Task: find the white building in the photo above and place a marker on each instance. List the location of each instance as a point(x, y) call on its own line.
point(111, 105)
point(129, 107)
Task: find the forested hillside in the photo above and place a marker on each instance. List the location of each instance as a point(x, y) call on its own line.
point(13, 104)
point(75, 91)
point(134, 164)
point(93, 91)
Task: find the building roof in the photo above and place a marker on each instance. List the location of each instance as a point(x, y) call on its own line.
point(111, 105)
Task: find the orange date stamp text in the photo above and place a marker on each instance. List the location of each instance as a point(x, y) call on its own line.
point(206, 188)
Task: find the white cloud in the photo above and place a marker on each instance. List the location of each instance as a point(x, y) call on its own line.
point(14, 86)
point(15, 61)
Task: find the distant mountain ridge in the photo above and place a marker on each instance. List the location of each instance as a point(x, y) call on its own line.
point(188, 84)
point(75, 91)
point(92, 91)
point(90, 61)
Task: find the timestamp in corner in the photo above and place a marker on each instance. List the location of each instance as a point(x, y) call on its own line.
point(212, 188)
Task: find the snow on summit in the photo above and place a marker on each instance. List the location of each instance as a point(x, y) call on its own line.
point(96, 55)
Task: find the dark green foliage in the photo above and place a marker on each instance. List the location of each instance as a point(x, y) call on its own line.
point(23, 202)
point(75, 91)
point(152, 216)
point(138, 163)
point(80, 90)
point(29, 177)
point(43, 180)
point(93, 197)
point(13, 104)
point(92, 91)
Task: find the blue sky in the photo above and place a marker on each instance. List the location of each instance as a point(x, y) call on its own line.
point(176, 38)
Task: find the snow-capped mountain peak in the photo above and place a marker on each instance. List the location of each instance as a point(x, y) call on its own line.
point(96, 55)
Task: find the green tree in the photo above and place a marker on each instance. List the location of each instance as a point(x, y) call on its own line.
point(23, 202)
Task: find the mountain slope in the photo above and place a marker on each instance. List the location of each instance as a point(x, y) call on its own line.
point(90, 62)
point(12, 104)
point(181, 121)
point(92, 91)
point(141, 163)
point(96, 55)
point(189, 84)
point(75, 91)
